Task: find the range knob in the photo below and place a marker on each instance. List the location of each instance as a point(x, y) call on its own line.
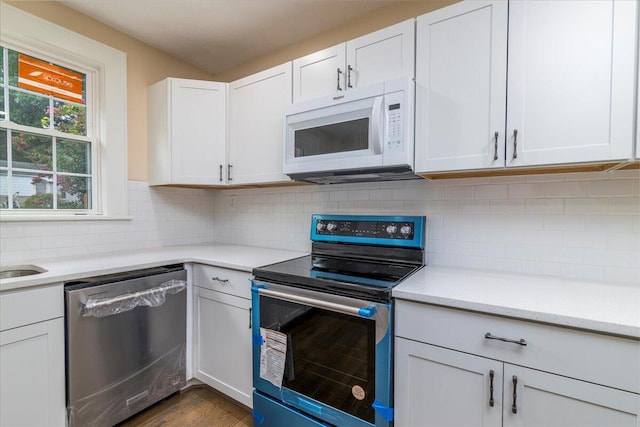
point(320, 226)
point(405, 230)
point(332, 226)
point(392, 229)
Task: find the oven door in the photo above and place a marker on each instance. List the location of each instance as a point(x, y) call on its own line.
point(325, 355)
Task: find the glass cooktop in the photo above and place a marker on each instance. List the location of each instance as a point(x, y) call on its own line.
point(369, 280)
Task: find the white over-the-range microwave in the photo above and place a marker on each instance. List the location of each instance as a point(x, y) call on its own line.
point(363, 134)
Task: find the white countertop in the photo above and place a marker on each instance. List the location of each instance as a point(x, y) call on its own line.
point(236, 257)
point(601, 307)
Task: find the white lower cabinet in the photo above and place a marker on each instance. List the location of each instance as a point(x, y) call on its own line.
point(32, 391)
point(544, 399)
point(222, 339)
point(448, 373)
point(442, 387)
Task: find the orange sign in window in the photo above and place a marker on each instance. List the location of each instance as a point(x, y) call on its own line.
point(42, 77)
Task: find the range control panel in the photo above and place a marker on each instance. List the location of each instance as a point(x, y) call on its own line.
point(374, 230)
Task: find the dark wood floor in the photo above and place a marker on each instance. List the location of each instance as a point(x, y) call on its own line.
point(197, 406)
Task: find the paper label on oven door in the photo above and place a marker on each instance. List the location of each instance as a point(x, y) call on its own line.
point(272, 356)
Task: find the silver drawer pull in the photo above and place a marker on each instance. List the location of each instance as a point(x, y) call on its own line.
point(219, 280)
point(521, 341)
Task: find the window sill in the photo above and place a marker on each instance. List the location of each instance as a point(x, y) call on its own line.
point(43, 218)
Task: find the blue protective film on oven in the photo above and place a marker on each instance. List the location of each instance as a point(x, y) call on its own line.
point(384, 410)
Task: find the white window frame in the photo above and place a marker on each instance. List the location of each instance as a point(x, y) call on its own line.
point(32, 35)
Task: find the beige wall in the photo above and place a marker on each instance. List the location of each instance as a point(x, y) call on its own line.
point(147, 65)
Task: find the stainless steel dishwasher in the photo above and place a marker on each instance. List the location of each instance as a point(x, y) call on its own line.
point(125, 343)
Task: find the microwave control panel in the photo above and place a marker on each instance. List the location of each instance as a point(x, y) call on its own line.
point(394, 106)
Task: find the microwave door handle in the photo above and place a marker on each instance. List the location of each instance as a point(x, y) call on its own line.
point(377, 128)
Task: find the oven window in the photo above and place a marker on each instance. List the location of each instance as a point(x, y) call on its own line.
point(330, 356)
point(334, 138)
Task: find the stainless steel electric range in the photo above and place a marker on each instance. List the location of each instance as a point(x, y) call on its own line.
point(323, 323)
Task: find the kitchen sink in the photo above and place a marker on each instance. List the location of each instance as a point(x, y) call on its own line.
point(20, 271)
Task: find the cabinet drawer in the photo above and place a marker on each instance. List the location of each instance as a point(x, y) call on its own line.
point(26, 306)
point(598, 358)
point(231, 282)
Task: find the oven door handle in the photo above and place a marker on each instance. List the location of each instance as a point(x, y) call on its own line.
point(367, 312)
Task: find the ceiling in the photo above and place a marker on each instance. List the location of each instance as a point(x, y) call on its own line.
point(218, 35)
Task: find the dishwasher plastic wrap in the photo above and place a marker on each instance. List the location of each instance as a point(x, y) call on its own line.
point(153, 297)
point(119, 400)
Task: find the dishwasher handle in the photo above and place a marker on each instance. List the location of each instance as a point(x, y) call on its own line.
point(153, 297)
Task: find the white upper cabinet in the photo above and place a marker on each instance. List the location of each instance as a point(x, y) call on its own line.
point(372, 58)
point(571, 81)
point(570, 84)
point(256, 129)
point(319, 74)
point(461, 74)
point(187, 132)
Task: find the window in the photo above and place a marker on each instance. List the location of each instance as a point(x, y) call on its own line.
point(62, 138)
point(46, 135)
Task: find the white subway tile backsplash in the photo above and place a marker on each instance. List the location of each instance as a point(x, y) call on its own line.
point(545, 268)
point(624, 241)
point(583, 272)
point(491, 192)
point(584, 225)
point(508, 206)
point(564, 222)
point(526, 191)
point(611, 258)
point(583, 239)
point(566, 189)
point(585, 206)
point(610, 223)
point(161, 216)
point(544, 206)
point(462, 192)
point(612, 188)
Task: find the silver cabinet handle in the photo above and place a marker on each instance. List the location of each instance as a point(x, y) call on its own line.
point(491, 401)
point(229, 166)
point(349, 70)
point(495, 146)
point(515, 143)
point(339, 72)
point(219, 280)
point(514, 407)
point(521, 341)
point(220, 173)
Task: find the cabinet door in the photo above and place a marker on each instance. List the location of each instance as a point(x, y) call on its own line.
point(461, 54)
point(439, 387)
point(571, 81)
point(544, 399)
point(222, 343)
point(382, 55)
point(198, 131)
point(319, 74)
point(256, 134)
point(32, 375)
